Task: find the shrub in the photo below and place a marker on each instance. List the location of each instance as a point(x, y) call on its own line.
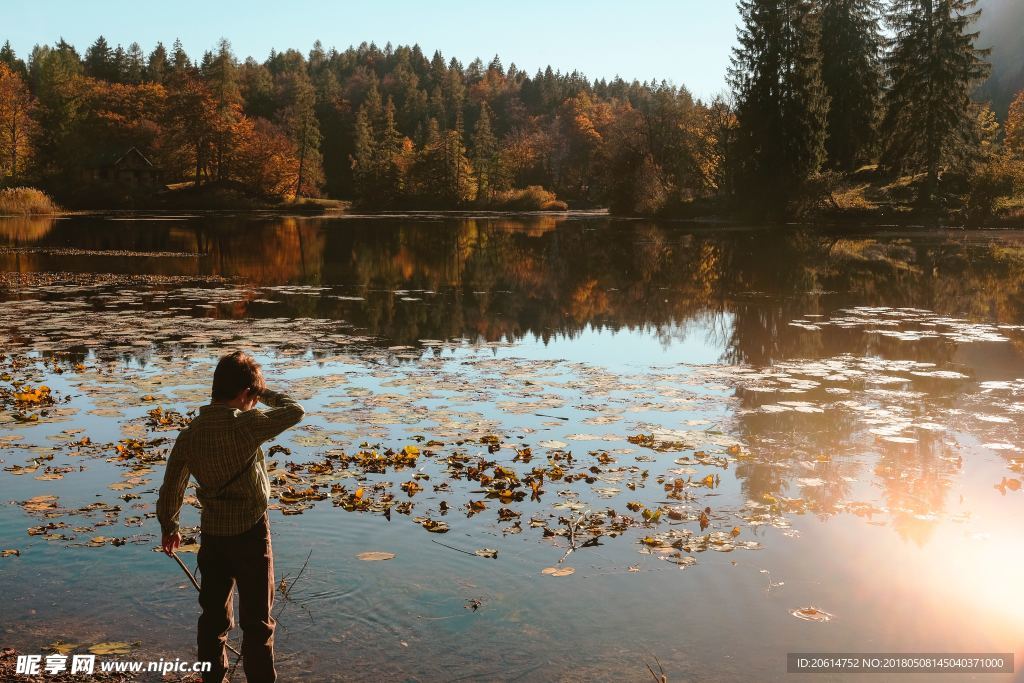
point(991, 181)
point(532, 198)
point(25, 201)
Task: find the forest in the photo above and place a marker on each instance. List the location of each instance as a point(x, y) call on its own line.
point(857, 108)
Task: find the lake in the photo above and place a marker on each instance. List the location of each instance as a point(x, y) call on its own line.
point(591, 445)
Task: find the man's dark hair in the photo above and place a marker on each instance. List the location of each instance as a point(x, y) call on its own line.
point(235, 372)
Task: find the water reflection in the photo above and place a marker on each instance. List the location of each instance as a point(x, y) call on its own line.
point(498, 278)
point(833, 401)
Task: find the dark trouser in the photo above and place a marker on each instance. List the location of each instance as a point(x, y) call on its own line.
point(248, 560)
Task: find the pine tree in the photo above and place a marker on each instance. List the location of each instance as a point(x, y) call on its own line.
point(134, 64)
point(119, 65)
point(8, 57)
point(390, 158)
point(851, 69)
point(179, 58)
point(298, 117)
point(781, 103)
point(157, 66)
point(458, 185)
point(221, 72)
point(485, 154)
point(933, 67)
point(99, 60)
point(364, 166)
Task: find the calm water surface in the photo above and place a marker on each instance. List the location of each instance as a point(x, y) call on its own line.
point(725, 426)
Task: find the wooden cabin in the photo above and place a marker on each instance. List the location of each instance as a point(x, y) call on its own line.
point(131, 170)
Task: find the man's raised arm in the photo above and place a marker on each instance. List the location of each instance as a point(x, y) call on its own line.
point(284, 412)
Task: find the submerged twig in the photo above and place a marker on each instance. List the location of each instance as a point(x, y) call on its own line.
point(572, 536)
point(287, 592)
point(451, 547)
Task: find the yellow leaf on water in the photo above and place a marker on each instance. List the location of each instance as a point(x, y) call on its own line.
point(62, 647)
point(113, 648)
point(558, 571)
point(375, 556)
point(735, 531)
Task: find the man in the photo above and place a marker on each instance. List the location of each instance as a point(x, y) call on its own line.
point(221, 449)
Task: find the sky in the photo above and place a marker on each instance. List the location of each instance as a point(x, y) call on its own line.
point(687, 42)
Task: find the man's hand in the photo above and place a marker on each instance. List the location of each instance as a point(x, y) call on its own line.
point(171, 543)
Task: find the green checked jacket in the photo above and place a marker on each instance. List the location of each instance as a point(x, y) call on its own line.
point(217, 445)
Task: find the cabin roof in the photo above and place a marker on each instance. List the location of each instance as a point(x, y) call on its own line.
point(110, 159)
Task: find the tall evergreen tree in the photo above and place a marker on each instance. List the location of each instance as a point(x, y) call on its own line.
point(157, 66)
point(364, 156)
point(99, 61)
point(179, 58)
point(8, 57)
point(393, 168)
point(221, 72)
point(485, 154)
point(134, 64)
point(781, 103)
point(298, 117)
point(851, 69)
point(933, 68)
point(119, 65)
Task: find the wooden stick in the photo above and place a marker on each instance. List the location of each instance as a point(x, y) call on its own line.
point(196, 584)
point(451, 547)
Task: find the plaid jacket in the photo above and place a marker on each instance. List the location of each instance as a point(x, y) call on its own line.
point(213, 448)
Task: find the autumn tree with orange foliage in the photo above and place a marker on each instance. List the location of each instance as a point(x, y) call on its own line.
point(1015, 127)
point(17, 126)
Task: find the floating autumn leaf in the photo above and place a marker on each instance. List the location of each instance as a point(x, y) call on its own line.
point(61, 647)
point(811, 614)
point(33, 396)
point(411, 487)
point(652, 516)
point(375, 556)
point(435, 526)
point(112, 648)
point(487, 552)
point(1008, 484)
point(558, 571)
point(10, 552)
point(39, 504)
point(704, 520)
